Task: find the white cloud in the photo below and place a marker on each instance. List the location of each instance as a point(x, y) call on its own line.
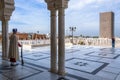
point(79, 4)
point(84, 14)
point(41, 1)
point(28, 16)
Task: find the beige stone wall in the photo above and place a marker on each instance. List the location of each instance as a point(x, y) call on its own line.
point(107, 25)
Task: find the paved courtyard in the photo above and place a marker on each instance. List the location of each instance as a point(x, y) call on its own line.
point(82, 63)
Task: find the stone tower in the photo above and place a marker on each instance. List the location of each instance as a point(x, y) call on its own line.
point(106, 25)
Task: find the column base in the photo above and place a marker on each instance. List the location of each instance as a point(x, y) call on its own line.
point(4, 58)
point(62, 73)
point(53, 71)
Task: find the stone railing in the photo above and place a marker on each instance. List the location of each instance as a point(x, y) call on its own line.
point(38, 42)
point(105, 42)
point(34, 42)
point(95, 41)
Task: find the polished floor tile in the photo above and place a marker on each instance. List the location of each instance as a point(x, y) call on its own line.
point(81, 63)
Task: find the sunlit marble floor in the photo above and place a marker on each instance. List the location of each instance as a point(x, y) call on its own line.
point(82, 63)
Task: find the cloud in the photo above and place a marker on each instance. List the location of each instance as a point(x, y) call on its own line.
point(33, 15)
point(84, 14)
point(79, 4)
point(40, 1)
point(28, 16)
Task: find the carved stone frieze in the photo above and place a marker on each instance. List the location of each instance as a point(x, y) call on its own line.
point(56, 4)
point(61, 4)
point(6, 9)
point(51, 4)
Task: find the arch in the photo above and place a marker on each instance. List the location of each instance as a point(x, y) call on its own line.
point(6, 9)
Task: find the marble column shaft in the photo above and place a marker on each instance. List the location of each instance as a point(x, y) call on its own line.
point(5, 39)
point(53, 42)
point(61, 41)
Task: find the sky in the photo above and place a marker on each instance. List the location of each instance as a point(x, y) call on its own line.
point(33, 16)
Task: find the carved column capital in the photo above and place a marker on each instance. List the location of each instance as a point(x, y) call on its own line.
point(61, 4)
point(51, 4)
point(6, 9)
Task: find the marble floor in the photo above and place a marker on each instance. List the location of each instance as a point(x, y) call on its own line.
point(82, 63)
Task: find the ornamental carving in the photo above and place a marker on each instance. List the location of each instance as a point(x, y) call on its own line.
point(6, 9)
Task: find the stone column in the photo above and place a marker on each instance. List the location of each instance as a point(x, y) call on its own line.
point(53, 42)
point(6, 9)
point(61, 41)
point(5, 39)
point(59, 5)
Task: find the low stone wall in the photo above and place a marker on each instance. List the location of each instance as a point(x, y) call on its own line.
point(105, 42)
point(35, 42)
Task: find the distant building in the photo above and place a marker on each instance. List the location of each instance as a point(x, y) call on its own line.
point(39, 36)
point(106, 25)
point(22, 36)
point(28, 36)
